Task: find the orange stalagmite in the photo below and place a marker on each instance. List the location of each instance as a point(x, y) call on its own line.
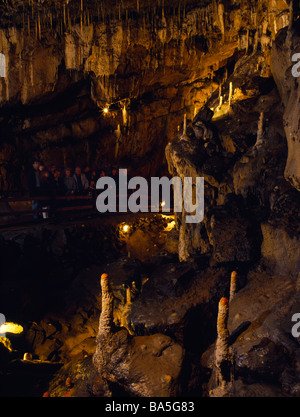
point(106, 317)
point(223, 318)
point(222, 355)
point(233, 285)
point(223, 334)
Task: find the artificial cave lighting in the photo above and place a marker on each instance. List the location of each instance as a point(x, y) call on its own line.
point(11, 328)
point(171, 223)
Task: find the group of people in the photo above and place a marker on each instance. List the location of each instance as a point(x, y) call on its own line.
point(43, 181)
point(52, 182)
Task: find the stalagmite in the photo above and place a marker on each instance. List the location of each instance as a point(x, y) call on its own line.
point(128, 296)
point(184, 135)
point(233, 285)
point(125, 115)
point(2, 66)
point(106, 317)
point(222, 354)
point(260, 131)
point(123, 311)
point(220, 104)
point(118, 141)
point(27, 357)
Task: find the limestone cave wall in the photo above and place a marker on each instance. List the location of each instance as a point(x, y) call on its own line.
point(151, 62)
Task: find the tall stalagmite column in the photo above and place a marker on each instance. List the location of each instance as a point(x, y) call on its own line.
point(233, 285)
point(106, 317)
point(222, 354)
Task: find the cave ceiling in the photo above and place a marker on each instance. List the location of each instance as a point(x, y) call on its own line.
point(15, 12)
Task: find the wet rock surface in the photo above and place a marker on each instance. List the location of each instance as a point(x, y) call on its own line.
point(262, 347)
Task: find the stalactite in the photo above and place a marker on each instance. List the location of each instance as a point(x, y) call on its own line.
point(31, 70)
point(69, 20)
point(64, 14)
point(221, 18)
point(184, 125)
point(81, 16)
point(291, 14)
point(39, 27)
point(247, 42)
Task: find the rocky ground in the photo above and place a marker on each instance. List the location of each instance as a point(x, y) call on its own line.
point(173, 310)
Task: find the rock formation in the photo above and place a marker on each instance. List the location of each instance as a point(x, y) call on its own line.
point(147, 366)
point(233, 285)
point(200, 89)
point(170, 56)
point(285, 46)
point(223, 361)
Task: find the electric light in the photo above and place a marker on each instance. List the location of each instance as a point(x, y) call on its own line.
point(11, 328)
point(170, 222)
point(105, 110)
point(170, 226)
point(126, 228)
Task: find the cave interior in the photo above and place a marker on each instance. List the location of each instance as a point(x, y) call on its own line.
point(144, 303)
